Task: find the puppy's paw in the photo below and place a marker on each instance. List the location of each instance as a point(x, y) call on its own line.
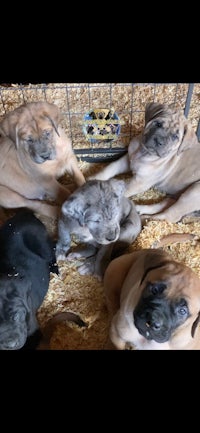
point(60, 257)
point(88, 267)
point(73, 256)
point(145, 219)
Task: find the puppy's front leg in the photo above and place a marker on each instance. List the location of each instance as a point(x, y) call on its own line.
point(119, 166)
point(131, 224)
point(64, 240)
point(151, 209)
point(188, 202)
point(115, 338)
point(74, 170)
point(97, 264)
point(137, 185)
point(56, 191)
point(103, 258)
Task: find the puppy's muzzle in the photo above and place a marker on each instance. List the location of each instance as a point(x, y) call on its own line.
point(12, 341)
point(153, 321)
point(44, 156)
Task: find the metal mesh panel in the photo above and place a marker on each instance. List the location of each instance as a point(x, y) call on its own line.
point(128, 99)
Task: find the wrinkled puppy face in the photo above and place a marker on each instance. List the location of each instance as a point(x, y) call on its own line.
point(104, 227)
point(155, 316)
point(102, 212)
point(36, 131)
point(164, 129)
point(13, 327)
point(97, 206)
point(164, 304)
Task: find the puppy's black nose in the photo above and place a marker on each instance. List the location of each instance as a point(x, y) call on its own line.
point(111, 238)
point(158, 142)
point(45, 156)
point(154, 321)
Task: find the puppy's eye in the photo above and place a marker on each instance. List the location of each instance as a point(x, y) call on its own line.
point(182, 311)
point(182, 308)
point(158, 124)
point(93, 221)
point(14, 316)
point(46, 133)
point(175, 137)
point(30, 140)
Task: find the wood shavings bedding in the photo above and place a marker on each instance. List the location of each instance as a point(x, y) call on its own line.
point(84, 295)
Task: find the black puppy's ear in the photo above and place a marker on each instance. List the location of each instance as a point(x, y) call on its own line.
point(194, 325)
point(154, 109)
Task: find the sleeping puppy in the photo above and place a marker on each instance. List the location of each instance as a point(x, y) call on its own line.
point(153, 301)
point(103, 219)
point(165, 156)
point(27, 256)
point(35, 152)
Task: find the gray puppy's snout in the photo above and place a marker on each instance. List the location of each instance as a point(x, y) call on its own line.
point(111, 237)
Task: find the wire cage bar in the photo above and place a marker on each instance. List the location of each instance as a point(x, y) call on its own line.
point(127, 99)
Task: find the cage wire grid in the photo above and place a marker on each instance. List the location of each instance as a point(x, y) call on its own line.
point(127, 99)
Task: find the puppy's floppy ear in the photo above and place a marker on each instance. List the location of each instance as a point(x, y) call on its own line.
point(52, 112)
point(74, 208)
point(119, 186)
point(2, 132)
point(189, 137)
point(194, 325)
point(153, 110)
point(155, 259)
point(16, 137)
point(10, 122)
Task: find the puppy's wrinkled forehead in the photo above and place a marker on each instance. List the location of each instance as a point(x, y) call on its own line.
point(30, 124)
point(102, 197)
point(168, 117)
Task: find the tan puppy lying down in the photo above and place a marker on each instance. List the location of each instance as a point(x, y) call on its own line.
point(165, 156)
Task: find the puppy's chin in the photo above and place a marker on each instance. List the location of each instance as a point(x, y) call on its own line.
point(13, 340)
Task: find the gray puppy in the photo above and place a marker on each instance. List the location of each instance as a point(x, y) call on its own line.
point(101, 217)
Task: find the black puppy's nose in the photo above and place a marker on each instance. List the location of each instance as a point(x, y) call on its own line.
point(154, 321)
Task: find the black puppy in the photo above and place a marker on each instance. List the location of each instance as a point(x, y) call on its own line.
point(27, 256)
